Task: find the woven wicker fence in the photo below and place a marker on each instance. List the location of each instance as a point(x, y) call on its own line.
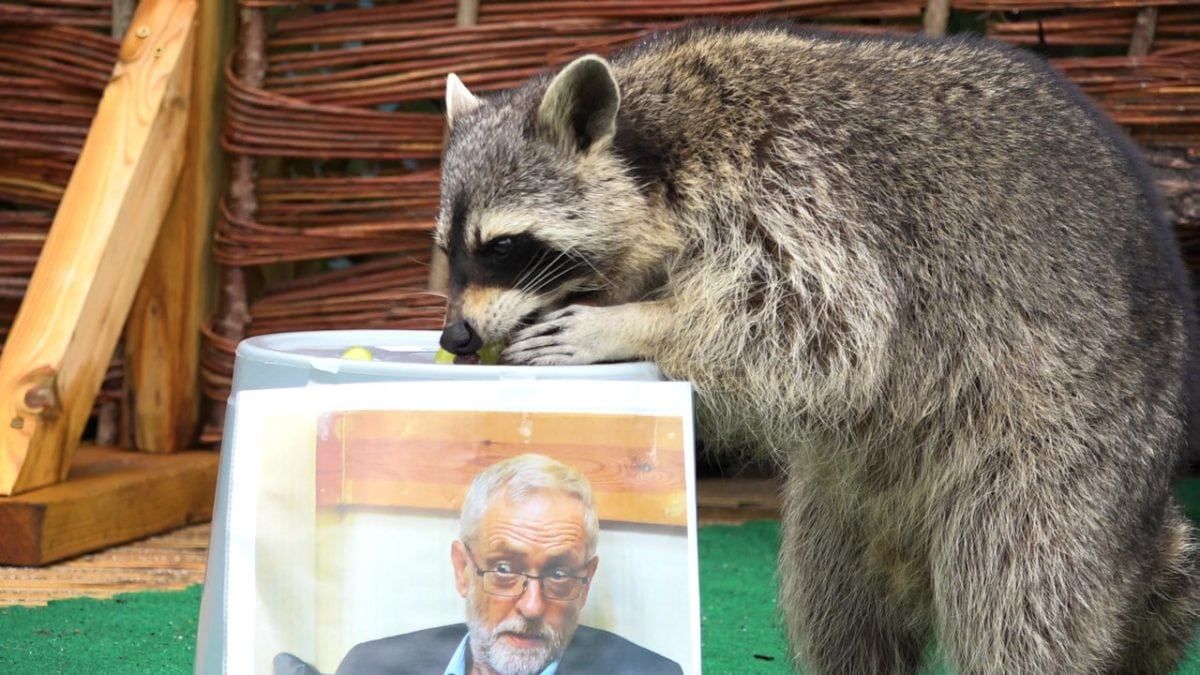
point(55, 59)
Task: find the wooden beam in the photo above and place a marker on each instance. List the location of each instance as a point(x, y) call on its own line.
point(162, 336)
point(80, 293)
point(110, 497)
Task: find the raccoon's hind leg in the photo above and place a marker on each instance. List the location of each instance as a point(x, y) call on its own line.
point(1027, 576)
point(1166, 622)
point(837, 614)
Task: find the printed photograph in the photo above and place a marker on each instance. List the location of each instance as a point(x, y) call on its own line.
point(435, 541)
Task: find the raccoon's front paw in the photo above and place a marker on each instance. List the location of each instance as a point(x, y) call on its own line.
point(574, 335)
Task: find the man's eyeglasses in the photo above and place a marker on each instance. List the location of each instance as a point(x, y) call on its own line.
point(506, 583)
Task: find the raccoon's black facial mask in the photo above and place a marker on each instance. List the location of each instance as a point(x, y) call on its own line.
point(520, 261)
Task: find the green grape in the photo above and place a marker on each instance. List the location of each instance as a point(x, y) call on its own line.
point(490, 354)
point(358, 354)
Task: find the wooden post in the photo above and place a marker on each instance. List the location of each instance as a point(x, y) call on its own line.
point(162, 337)
point(109, 415)
point(468, 13)
point(233, 307)
point(122, 14)
point(439, 266)
point(937, 17)
point(1143, 31)
point(80, 293)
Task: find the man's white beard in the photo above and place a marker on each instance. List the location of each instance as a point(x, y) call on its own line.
point(489, 650)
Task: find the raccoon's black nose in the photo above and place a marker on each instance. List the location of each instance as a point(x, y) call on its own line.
point(459, 338)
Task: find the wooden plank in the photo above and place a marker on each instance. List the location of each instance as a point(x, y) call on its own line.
point(81, 290)
point(110, 496)
point(162, 336)
point(427, 459)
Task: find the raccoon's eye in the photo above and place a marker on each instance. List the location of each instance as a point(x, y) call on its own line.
point(498, 248)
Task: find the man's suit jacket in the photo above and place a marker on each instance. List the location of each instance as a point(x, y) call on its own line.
point(428, 652)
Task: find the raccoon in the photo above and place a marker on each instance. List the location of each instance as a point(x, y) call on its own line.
point(925, 277)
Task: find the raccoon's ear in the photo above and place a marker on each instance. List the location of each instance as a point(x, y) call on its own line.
point(579, 109)
point(459, 100)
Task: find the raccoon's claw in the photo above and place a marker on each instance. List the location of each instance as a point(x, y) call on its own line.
point(565, 337)
point(548, 359)
point(538, 330)
point(548, 355)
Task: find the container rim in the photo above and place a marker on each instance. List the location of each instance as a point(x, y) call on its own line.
point(280, 348)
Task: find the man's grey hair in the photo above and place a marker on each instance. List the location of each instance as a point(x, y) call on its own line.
point(519, 477)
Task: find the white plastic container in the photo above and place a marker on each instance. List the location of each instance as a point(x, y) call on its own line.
point(286, 360)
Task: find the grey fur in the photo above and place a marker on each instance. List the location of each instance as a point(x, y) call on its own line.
point(925, 276)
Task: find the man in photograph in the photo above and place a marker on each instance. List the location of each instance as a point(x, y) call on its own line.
point(524, 562)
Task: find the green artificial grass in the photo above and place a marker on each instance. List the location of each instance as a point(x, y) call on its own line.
point(134, 633)
point(739, 622)
point(156, 632)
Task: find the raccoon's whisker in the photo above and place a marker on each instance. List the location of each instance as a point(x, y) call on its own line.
point(529, 268)
point(587, 262)
point(539, 280)
point(525, 272)
point(538, 272)
point(590, 288)
point(555, 276)
point(558, 273)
